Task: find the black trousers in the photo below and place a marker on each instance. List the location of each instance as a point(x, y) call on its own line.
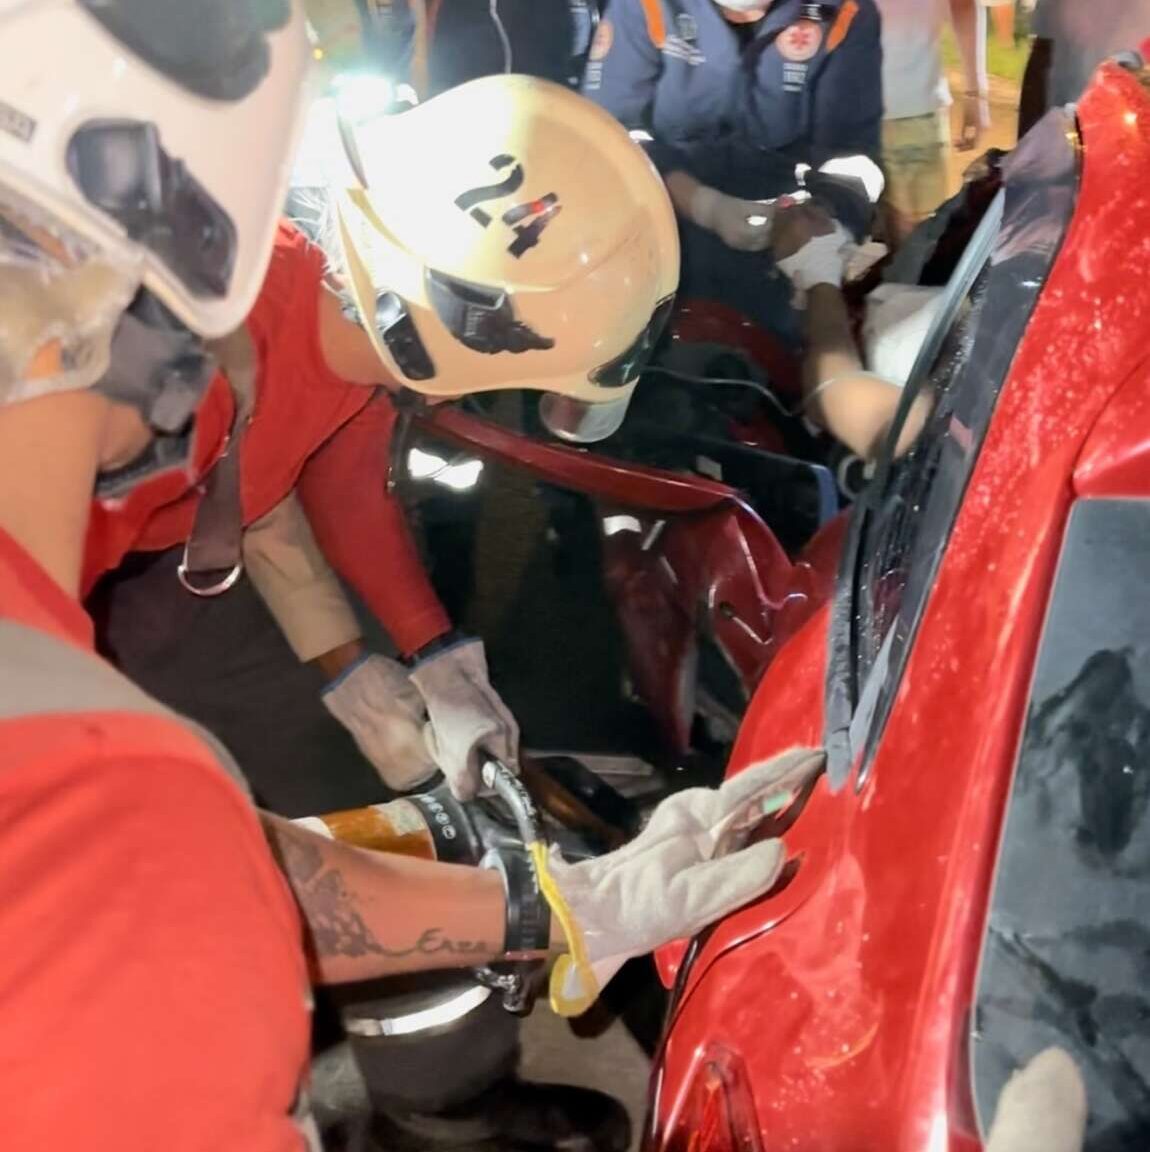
point(223, 663)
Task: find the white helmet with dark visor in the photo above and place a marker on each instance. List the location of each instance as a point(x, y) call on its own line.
point(510, 234)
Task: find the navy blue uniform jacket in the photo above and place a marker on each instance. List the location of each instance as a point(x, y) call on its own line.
point(806, 85)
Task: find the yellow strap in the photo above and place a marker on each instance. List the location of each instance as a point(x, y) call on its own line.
point(575, 961)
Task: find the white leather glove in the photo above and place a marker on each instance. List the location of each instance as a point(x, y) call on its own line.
point(685, 870)
point(1042, 1108)
point(377, 704)
point(468, 718)
point(821, 260)
point(741, 224)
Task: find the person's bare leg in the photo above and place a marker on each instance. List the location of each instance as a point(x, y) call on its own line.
point(1002, 17)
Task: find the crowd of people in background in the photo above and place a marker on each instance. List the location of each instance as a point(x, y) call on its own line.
point(924, 113)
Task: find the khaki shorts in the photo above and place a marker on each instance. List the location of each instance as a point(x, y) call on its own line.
point(914, 154)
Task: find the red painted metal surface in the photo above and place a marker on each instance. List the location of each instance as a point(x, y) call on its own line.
point(619, 483)
point(846, 998)
point(721, 574)
point(702, 563)
point(1116, 459)
point(705, 322)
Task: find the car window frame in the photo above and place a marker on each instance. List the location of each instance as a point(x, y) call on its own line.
point(856, 709)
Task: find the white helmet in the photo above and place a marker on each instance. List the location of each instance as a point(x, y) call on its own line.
point(510, 234)
point(159, 131)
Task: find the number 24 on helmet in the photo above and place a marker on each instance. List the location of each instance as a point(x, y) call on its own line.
point(509, 234)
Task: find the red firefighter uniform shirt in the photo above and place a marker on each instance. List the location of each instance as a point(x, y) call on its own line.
point(152, 970)
point(310, 431)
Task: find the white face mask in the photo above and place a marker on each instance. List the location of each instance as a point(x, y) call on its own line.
point(744, 6)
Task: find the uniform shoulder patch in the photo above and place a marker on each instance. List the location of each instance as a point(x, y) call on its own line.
point(604, 38)
point(800, 41)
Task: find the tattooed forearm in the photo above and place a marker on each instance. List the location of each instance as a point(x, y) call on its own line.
point(334, 918)
point(334, 926)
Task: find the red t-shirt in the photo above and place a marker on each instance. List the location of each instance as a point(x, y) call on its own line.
point(310, 429)
point(152, 978)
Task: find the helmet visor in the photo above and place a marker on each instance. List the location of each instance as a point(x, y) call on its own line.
point(583, 422)
point(626, 368)
point(579, 422)
point(122, 169)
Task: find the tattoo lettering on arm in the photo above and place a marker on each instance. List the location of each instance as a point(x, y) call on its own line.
point(433, 941)
point(335, 925)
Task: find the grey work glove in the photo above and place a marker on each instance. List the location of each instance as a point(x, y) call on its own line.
point(377, 704)
point(468, 718)
point(685, 870)
point(1042, 1108)
point(741, 224)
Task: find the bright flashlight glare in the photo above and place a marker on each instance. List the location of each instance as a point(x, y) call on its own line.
point(458, 477)
point(613, 525)
point(423, 465)
point(461, 477)
point(360, 96)
point(320, 158)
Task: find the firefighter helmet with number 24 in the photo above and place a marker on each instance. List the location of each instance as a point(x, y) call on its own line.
point(510, 234)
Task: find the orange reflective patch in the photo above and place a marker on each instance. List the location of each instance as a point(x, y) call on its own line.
point(842, 24)
point(656, 25)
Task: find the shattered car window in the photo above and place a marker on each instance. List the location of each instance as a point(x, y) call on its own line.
point(901, 543)
point(903, 524)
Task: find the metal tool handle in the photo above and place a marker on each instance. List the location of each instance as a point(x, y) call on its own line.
point(514, 982)
point(509, 788)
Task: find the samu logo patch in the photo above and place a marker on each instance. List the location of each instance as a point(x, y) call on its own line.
point(800, 42)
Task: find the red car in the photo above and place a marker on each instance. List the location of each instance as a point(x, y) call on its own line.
point(971, 879)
